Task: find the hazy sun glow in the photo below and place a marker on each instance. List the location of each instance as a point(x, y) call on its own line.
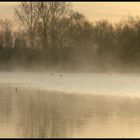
point(113, 11)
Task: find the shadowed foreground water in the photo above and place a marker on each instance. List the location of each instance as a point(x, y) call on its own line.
point(34, 113)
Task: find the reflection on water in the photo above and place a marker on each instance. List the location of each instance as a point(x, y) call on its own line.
point(29, 113)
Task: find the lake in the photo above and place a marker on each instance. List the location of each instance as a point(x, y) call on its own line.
point(54, 105)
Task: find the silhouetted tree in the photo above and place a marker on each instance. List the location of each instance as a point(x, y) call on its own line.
point(27, 15)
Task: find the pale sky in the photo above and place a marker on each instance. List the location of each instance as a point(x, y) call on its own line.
point(113, 11)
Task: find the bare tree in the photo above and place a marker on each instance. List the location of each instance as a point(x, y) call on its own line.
point(27, 15)
point(79, 30)
point(6, 38)
point(50, 15)
point(42, 17)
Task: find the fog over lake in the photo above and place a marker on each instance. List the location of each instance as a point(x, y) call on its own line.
point(65, 74)
point(69, 105)
point(83, 83)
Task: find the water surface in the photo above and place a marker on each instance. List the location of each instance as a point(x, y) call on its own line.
point(47, 105)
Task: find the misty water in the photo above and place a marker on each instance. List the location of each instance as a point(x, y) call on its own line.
point(69, 104)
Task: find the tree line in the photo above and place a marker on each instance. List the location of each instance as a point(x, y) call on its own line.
point(53, 36)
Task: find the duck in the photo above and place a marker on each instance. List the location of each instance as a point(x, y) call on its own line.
point(15, 89)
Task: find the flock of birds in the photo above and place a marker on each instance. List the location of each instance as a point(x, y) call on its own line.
point(60, 75)
point(51, 74)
